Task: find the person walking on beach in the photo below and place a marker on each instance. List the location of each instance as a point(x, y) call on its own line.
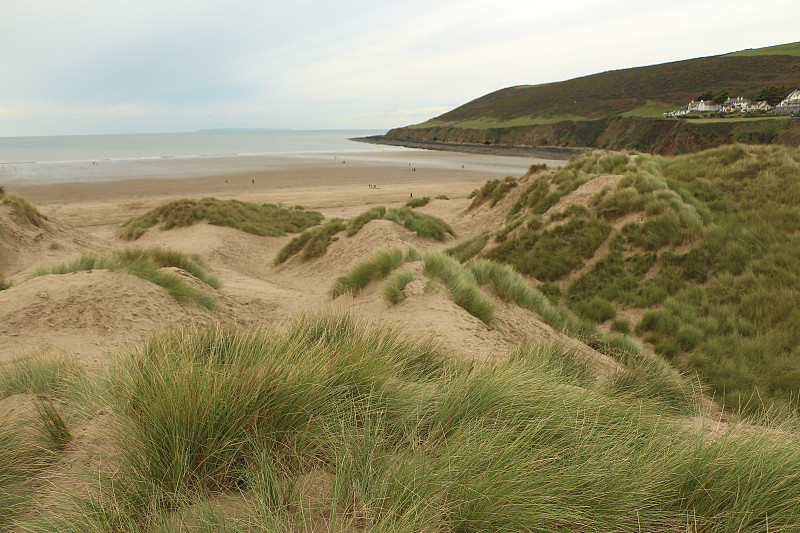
point(411, 196)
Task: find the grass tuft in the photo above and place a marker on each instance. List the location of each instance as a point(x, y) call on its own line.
point(492, 192)
point(52, 426)
point(23, 210)
point(354, 225)
point(380, 266)
point(468, 249)
point(418, 202)
point(394, 286)
point(462, 286)
point(259, 219)
point(423, 224)
point(147, 264)
point(312, 242)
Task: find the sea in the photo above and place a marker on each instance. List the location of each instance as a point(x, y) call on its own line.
point(66, 159)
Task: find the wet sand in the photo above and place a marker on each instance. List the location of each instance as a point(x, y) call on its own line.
point(315, 181)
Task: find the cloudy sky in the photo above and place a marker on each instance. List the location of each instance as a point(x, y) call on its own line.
point(119, 66)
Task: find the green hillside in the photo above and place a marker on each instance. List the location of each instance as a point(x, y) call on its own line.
point(698, 256)
point(792, 49)
point(501, 117)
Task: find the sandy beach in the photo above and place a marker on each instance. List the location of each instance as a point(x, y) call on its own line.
point(318, 182)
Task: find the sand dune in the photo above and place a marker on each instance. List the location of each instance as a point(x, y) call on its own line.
point(92, 313)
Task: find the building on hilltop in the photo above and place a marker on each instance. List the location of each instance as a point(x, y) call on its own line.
point(736, 105)
point(789, 105)
point(702, 105)
point(740, 104)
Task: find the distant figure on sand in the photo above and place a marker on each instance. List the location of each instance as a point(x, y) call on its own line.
point(254, 181)
point(410, 196)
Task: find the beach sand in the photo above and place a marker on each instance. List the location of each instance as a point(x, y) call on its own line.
point(323, 182)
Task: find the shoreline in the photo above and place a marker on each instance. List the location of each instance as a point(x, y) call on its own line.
point(336, 184)
point(552, 153)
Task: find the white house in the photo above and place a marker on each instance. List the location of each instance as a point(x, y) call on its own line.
point(702, 105)
point(736, 105)
point(792, 100)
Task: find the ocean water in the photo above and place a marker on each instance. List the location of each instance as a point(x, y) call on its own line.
point(46, 160)
point(16, 150)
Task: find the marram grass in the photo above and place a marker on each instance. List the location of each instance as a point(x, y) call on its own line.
point(380, 266)
point(24, 212)
point(401, 437)
point(314, 242)
point(395, 284)
point(148, 264)
point(461, 284)
point(705, 244)
point(260, 219)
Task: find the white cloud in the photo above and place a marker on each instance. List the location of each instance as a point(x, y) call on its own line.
point(95, 66)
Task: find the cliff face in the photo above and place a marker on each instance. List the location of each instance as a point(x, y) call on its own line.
point(658, 136)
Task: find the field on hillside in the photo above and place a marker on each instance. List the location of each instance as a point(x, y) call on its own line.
point(610, 346)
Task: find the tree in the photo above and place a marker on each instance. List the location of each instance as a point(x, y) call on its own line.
point(708, 95)
point(773, 94)
point(721, 97)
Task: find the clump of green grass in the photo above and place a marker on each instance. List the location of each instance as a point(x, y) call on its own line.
point(240, 394)
point(312, 242)
point(461, 284)
point(418, 202)
point(51, 424)
point(442, 197)
point(354, 225)
point(380, 266)
point(563, 363)
point(412, 254)
point(423, 224)
point(647, 375)
point(147, 264)
point(597, 309)
point(551, 254)
point(621, 325)
point(4, 283)
point(23, 210)
point(394, 286)
point(492, 191)
point(22, 457)
point(259, 219)
point(39, 374)
point(468, 249)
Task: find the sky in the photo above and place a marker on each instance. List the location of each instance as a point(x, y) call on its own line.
point(118, 66)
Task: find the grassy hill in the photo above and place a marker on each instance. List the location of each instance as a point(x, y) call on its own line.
point(615, 102)
point(698, 256)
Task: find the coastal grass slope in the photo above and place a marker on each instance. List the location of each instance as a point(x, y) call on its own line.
point(699, 255)
point(335, 422)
